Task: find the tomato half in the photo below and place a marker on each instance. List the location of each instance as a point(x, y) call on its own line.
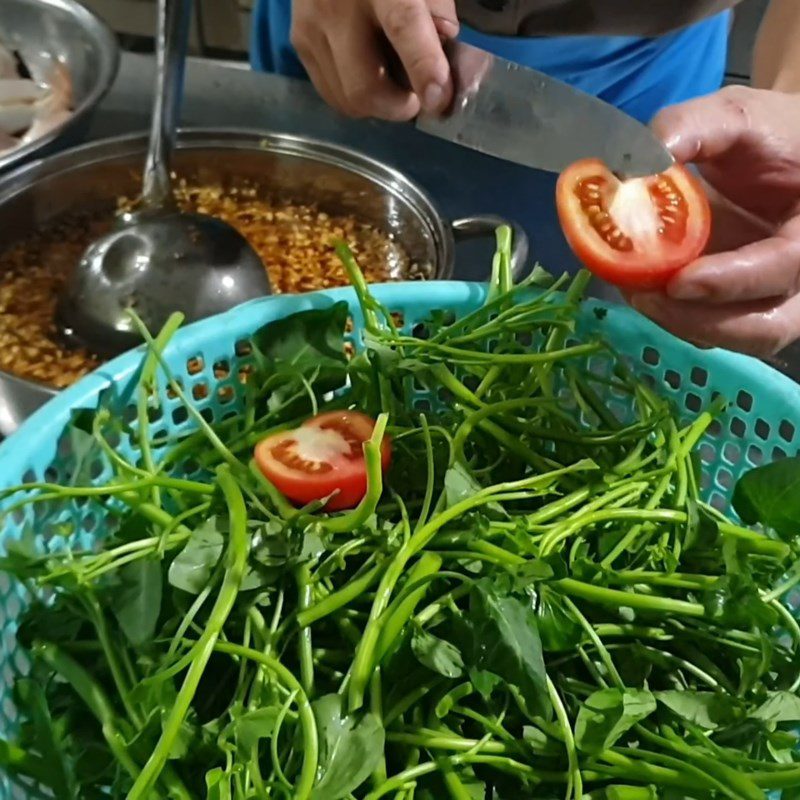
point(635, 233)
point(324, 455)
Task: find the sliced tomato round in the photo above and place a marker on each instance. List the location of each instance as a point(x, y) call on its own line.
point(323, 457)
point(634, 233)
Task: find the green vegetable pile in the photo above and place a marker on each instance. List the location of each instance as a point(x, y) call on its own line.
point(534, 602)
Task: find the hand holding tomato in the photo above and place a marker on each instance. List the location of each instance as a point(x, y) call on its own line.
point(635, 233)
point(744, 293)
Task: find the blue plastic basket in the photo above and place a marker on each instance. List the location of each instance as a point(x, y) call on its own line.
point(210, 358)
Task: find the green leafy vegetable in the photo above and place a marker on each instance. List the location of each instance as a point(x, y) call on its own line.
point(770, 495)
point(506, 642)
point(350, 749)
point(437, 654)
point(780, 707)
point(137, 601)
point(708, 710)
point(608, 714)
point(191, 569)
point(536, 601)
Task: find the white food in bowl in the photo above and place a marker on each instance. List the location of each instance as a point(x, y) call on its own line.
point(35, 96)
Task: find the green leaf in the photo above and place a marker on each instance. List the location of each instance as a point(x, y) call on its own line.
point(702, 531)
point(437, 654)
point(137, 601)
point(558, 628)
point(734, 601)
point(708, 710)
point(780, 707)
point(306, 346)
point(312, 548)
point(186, 734)
point(506, 642)
point(255, 725)
point(459, 484)
point(46, 739)
point(191, 569)
point(539, 277)
point(770, 495)
point(540, 743)
point(22, 559)
point(608, 714)
point(350, 749)
point(218, 785)
point(485, 682)
point(84, 452)
point(532, 572)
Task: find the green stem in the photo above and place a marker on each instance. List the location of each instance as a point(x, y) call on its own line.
point(575, 782)
point(235, 564)
point(310, 741)
point(396, 618)
point(365, 653)
point(618, 599)
point(304, 643)
point(341, 597)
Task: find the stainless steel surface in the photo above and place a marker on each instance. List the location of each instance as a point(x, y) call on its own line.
point(597, 17)
point(338, 179)
point(480, 226)
point(531, 119)
point(158, 259)
point(77, 38)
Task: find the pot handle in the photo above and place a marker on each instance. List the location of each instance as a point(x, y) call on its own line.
point(479, 226)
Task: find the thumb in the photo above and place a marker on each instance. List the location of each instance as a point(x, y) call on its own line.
point(707, 128)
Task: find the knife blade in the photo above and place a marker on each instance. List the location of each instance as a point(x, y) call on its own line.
point(518, 114)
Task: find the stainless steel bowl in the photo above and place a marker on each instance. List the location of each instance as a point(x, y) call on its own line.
point(75, 36)
point(336, 179)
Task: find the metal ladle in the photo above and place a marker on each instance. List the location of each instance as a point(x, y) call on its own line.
point(158, 259)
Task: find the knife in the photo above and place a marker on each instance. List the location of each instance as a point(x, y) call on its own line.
point(518, 114)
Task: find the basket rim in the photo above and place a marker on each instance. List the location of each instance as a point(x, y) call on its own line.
point(39, 432)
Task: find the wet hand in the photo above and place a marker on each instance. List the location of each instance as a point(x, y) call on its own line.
point(744, 293)
point(347, 47)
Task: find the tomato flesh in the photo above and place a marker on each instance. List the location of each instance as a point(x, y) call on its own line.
point(634, 233)
point(323, 457)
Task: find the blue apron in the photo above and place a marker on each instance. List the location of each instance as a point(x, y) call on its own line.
point(638, 75)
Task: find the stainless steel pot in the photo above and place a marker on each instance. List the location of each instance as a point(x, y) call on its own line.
point(73, 34)
point(336, 179)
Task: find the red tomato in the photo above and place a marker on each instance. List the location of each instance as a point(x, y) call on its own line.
point(635, 233)
point(324, 455)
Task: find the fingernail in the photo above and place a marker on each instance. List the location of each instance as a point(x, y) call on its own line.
point(433, 97)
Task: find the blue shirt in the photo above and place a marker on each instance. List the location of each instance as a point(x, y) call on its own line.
point(638, 75)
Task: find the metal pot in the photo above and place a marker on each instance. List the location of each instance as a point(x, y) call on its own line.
point(336, 179)
point(84, 44)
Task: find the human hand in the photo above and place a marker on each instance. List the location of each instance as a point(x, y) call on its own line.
point(744, 293)
point(346, 47)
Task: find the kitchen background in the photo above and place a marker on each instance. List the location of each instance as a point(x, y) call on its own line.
point(221, 29)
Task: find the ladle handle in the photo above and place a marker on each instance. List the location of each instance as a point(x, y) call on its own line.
point(172, 41)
